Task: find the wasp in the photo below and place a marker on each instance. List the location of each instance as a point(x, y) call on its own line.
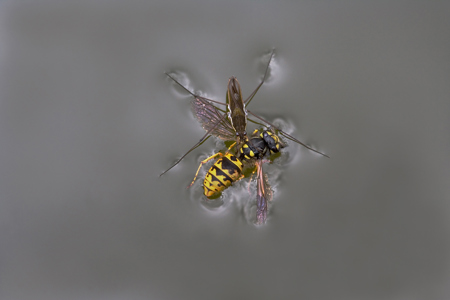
point(272, 144)
point(229, 169)
point(229, 124)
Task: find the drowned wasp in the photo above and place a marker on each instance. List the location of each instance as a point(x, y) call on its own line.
point(229, 169)
point(230, 125)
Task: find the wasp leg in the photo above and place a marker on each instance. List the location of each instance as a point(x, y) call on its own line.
point(288, 136)
point(208, 159)
point(202, 163)
point(232, 145)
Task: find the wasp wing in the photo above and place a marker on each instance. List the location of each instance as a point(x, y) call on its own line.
point(264, 194)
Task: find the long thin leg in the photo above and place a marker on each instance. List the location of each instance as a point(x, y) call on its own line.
point(202, 163)
point(247, 101)
point(288, 135)
point(206, 160)
point(194, 95)
point(202, 140)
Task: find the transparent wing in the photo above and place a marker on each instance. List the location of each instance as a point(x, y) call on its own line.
point(212, 119)
point(263, 195)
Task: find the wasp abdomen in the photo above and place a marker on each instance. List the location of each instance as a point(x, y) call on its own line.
point(222, 174)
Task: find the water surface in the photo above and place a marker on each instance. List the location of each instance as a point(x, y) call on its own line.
point(88, 121)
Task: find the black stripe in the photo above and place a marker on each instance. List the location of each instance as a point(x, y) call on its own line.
point(229, 165)
point(215, 182)
point(219, 172)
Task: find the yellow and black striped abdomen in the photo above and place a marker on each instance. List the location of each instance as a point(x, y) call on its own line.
point(222, 174)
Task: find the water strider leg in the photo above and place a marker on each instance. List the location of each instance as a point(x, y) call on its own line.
point(288, 136)
point(247, 101)
point(194, 95)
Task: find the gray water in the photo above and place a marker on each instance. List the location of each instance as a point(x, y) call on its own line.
point(88, 121)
